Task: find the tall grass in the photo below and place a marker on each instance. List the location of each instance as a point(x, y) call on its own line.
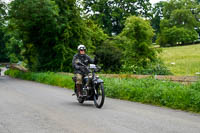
point(149, 90)
point(182, 60)
point(163, 93)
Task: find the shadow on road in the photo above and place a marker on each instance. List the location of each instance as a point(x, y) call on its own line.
point(85, 104)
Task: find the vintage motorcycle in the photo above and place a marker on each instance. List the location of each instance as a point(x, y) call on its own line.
point(94, 91)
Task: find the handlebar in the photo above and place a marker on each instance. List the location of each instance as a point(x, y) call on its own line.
point(93, 67)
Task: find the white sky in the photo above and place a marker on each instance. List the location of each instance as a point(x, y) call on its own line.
point(152, 1)
point(156, 1)
point(6, 1)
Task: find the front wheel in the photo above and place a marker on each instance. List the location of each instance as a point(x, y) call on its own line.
point(99, 96)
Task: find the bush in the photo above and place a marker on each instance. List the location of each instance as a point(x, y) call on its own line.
point(109, 56)
point(153, 68)
point(195, 86)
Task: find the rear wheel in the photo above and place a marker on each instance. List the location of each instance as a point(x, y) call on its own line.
point(99, 97)
point(80, 100)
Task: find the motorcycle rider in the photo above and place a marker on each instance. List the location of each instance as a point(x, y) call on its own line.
point(80, 70)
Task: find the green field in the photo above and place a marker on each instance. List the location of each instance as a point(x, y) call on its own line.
point(182, 60)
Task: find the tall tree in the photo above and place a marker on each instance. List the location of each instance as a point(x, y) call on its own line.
point(3, 51)
point(137, 42)
point(14, 46)
point(157, 15)
point(50, 30)
point(179, 23)
point(111, 14)
point(36, 23)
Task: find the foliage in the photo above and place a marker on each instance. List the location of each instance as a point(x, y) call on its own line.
point(157, 14)
point(14, 46)
point(111, 14)
point(3, 14)
point(163, 93)
point(153, 68)
point(172, 5)
point(136, 40)
point(132, 50)
point(174, 35)
point(35, 22)
point(94, 36)
point(183, 18)
point(179, 23)
point(195, 86)
point(3, 51)
point(72, 30)
point(109, 56)
point(156, 92)
point(49, 33)
point(46, 33)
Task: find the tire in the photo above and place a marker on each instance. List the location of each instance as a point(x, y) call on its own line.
point(80, 100)
point(100, 96)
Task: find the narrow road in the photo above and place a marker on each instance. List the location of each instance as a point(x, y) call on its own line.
point(29, 107)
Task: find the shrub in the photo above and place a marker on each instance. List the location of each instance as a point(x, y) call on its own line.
point(109, 56)
point(152, 68)
point(195, 86)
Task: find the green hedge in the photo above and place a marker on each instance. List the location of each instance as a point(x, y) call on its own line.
point(157, 92)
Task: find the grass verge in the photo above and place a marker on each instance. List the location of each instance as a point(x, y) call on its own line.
point(149, 90)
point(46, 77)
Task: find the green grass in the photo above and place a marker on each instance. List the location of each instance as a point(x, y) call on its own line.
point(149, 90)
point(186, 59)
point(46, 77)
point(156, 92)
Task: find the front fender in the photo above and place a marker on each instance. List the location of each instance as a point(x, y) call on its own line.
point(99, 81)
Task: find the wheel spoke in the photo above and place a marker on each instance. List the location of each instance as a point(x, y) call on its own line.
point(99, 97)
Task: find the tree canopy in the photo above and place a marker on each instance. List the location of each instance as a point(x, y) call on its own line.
point(111, 14)
point(50, 31)
point(137, 36)
point(3, 15)
point(44, 34)
point(180, 22)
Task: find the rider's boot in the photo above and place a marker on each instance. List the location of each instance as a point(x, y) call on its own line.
point(79, 90)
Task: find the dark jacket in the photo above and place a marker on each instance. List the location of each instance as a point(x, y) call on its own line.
point(84, 59)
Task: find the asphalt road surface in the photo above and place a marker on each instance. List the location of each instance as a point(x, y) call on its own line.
point(29, 107)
